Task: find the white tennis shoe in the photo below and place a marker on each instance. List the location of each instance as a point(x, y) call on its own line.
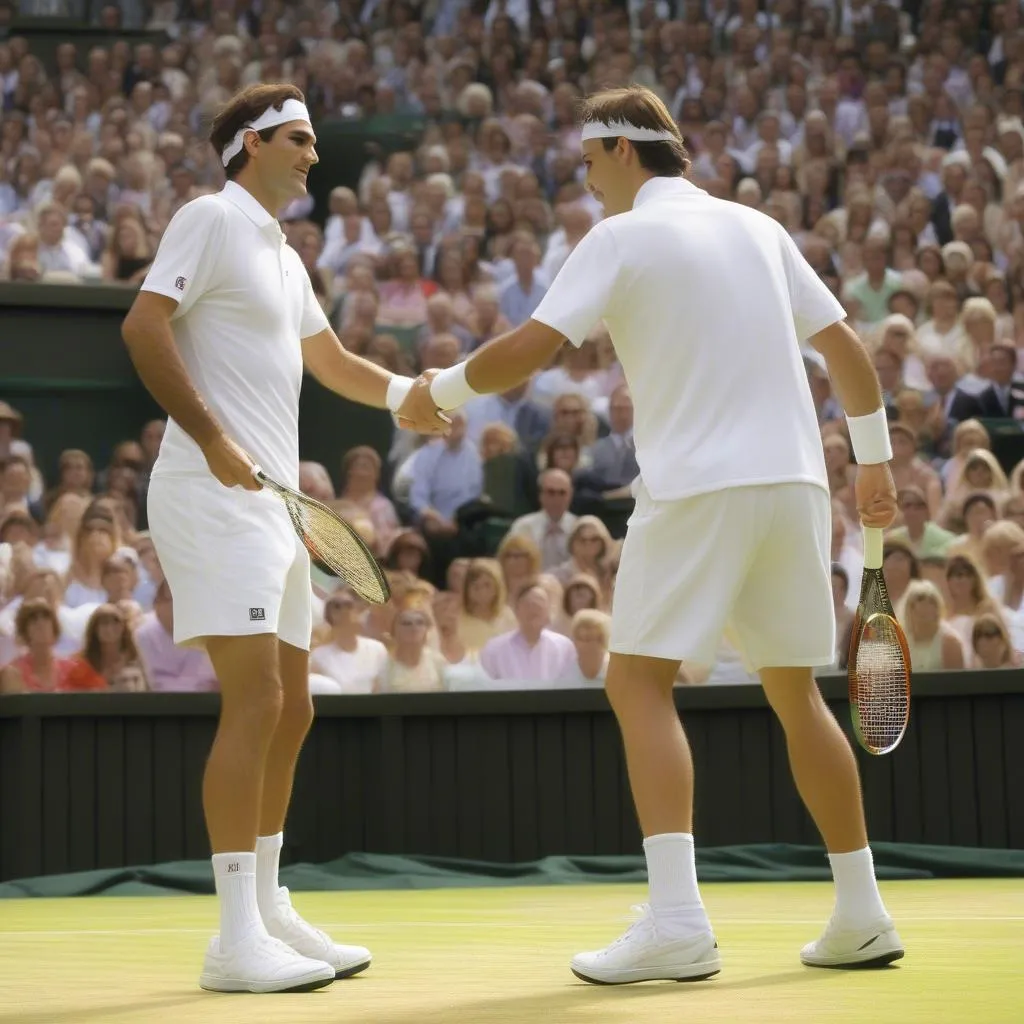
point(284, 923)
point(874, 946)
point(644, 954)
point(259, 963)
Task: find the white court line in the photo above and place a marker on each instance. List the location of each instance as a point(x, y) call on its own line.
point(355, 926)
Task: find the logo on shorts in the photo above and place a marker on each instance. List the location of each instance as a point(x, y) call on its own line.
point(179, 283)
point(233, 867)
point(256, 615)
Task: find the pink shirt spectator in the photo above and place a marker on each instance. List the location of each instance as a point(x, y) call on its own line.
point(509, 656)
point(172, 668)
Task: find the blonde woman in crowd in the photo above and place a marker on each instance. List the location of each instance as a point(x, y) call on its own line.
point(577, 371)
point(413, 667)
point(977, 515)
point(520, 561)
point(933, 643)
point(461, 666)
point(54, 550)
point(1009, 587)
point(968, 437)
point(590, 632)
point(589, 545)
point(943, 332)
point(898, 334)
point(967, 598)
point(1013, 507)
point(1000, 539)
point(75, 475)
point(981, 474)
point(485, 610)
point(990, 644)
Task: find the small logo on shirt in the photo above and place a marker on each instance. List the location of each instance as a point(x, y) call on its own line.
point(256, 615)
point(233, 867)
point(179, 283)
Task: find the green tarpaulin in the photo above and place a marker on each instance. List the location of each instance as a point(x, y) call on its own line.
point(758, 863)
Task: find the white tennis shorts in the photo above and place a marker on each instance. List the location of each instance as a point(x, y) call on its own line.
point(231, 557)
point(753, 563)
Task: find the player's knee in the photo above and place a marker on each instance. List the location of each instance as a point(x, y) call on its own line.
point(258, 702)
point(296, 711)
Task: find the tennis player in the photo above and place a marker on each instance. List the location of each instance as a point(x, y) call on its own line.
point(708, 303)
point(220, 333)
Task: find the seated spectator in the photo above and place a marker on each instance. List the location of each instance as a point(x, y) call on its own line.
point(169, 667)
point(361, 495)
point(353, 661)
point(412, 667)
point(533, 651)
point(128, 255)
point(403, 297)
point(39, 669)
point(982, 474)
point(485, 612)
point(18, 527)
point(16, 486)
point(998, 543)
point(22, 263)
point(58, 252)
point(1004, 397)
point(75, 475)
point(589, 547)
point(571, 415)
point(109, 651)
point(899, 566)
point(990, 644)
point(562, 451)
point(933, 644)
point(590, 632)
point(450, 274)
point(379, 619)
point(520, 561)
point(94, 544)
point(909, 469)
point(409, 553)
point(1013, 507)
point(486, 320)
point(968, 598)
point(943, 333)
point(968, 437)
point(979, 513)
point(441, 320)
point(613, 458)
point(549, 528)
point(924, 537)
point(581, 593)
point(462, 670)
point(447, 474)
point(455, 576)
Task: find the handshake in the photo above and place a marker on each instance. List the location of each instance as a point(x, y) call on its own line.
point(418, 411)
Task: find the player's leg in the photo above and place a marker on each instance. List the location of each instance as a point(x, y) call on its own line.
point(786, 627)
point(275, 907)
point(243, 957)
point(219, 552)
point(661, 609)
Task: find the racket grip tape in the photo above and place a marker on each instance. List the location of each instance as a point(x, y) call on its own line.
point(873, 547)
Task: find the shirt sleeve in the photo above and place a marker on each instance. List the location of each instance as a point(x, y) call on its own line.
point(584, 288)
point(187, 256)
point(314, 319)
point(814, 306)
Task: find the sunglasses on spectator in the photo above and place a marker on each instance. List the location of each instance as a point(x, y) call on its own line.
point(554, 490)
point(989, 634)
point(589, 539)
point(516, 554)
point(912, 504)
point(960, 571)
point(412, 620)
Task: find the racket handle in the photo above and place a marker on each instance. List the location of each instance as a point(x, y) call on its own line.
point(257, 471)
point(872, 547)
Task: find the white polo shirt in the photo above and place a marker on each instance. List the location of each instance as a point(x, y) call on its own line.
point(707, 303)
point(245, 302)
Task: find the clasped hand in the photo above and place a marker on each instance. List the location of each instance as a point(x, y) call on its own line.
point(419, 412)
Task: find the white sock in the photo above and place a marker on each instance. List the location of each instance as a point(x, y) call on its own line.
point(672, 880)
point(235, 877)
point(858, 901)
point(268, 855)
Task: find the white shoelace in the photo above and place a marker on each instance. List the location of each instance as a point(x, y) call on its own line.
point(642, 921)
point(288, 915)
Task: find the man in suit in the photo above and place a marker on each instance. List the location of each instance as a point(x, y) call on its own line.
point(614, 465)
point(549, 528)
point(950, 403)
point(1004, 397)
point(530, 420)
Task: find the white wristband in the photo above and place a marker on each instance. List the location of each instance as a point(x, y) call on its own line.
point(869, 436)
point(450, 389)
point(398, 388)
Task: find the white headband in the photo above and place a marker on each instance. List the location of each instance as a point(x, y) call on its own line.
point(291, 110)
point(625, 130)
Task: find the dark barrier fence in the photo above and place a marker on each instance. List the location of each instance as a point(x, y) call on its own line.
point(102, 781)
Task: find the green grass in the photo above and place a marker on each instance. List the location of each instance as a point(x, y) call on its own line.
point(473, 956)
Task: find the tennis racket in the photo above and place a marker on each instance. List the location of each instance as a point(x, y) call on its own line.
point(879, 665)
point(334, 547)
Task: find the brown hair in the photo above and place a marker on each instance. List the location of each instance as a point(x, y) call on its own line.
point(481, 568)
point(641, 107)
point(34, 608)
point(91, 640)
point(989, 621)
point(243, 108)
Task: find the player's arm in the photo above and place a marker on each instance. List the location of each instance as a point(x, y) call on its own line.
point(853, 376)
point(577, 299)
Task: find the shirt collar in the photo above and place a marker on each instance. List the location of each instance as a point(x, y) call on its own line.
point(665, 188)
point(246, 202)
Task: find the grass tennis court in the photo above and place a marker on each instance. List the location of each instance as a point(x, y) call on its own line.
point(482, 956)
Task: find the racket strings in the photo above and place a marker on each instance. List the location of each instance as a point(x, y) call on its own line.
point(879, 680)
point(335, 550)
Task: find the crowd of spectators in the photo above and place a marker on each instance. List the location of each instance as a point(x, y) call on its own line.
point(888, 140)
